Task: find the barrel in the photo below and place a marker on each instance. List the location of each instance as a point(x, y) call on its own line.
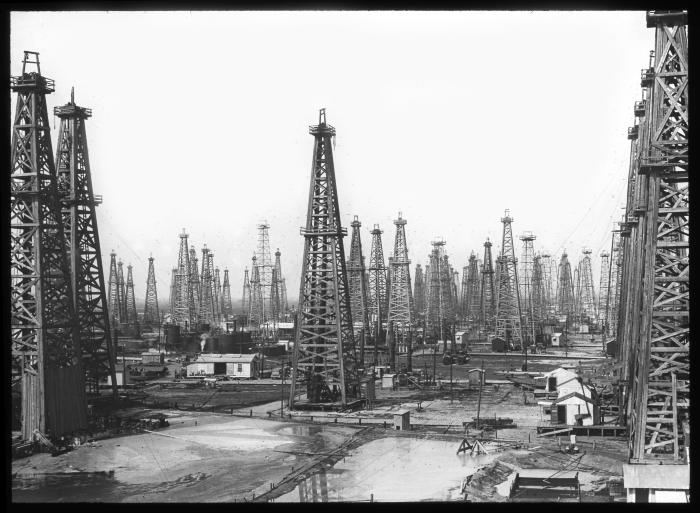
point(227, 343)
point(172, 335)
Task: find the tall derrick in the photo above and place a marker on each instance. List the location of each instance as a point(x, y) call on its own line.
point(588, 304)
point(274, 313)
point(464, 294)
point(603, 291)
point(79, 218)
point(612, 304)
point(206, 307)
point(538, 295)
point(256, 307)
point(437, 313)
point(487, 303)
point(195, 288)
point(508, 313)
point(131, 316)
point(245, 295)
point(173, 293)
point(565, 288)
point(472, 298)
point(217, 290)
point(548, 290)
point(526, 297)
point(377, 285)
point(44, 327)
point(265, 267)
point(324, 352)
point(578, 312)
point(121, 285)
point(358, 284)
point(113, 297)
point(281, 287)
point(151, 314)
point(400, 296)
point(183, 292)
point(226, 306)
point(419, 292)
point(660, 362)
point(214, 289)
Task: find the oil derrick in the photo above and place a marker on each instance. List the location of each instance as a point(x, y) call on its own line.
point(548, 291)
point(400, 294)
point(587, 292)
point(565, 288)
point(438, 295)
point(114, 297)
point(612, 305)
point(472, 298)
point(121, 285)
point(206, 307)
point(448, 284)
point(151, 314)
point(44, 326)
point(182, 313)
point(245, 296)
point(487, 301)
point(274, 298)
point(173, 293)
point(464, 294)
point(538, 295)
point(265, 267)
point(256, 308)
point(357, 282)
point(324, 352)
point(603, 291)
point(226, 306)
point(526, 297)
point(419, 293)
point(131, 316)
point(456, 304)
point(83, 245)
point(196, 288)
point(508, 314)
point(217, 290)
point(660, 374)
point(281, 286)
point(377, 285)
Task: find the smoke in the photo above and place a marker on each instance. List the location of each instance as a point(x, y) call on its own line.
point(203, 340)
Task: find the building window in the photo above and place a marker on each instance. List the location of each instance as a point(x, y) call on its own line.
point(240, 367)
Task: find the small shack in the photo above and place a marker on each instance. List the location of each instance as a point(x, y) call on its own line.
point(575, 409)
point(402, 420)
point(556, 339)
point(388, 380)
point(244, 366)
point(562, 380)
point(656, 483)
point(476, 377)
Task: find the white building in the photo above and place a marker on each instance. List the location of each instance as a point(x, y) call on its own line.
point(244, 366)
point(576, 403)
point(657, 483)
point(563, 381)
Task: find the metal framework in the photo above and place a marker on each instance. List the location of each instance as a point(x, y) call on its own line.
point(472, 297)
point(377, 284)
point(226, 306)
point(324, 349)
point(196, 289)
point(587, 305)
point(217, 289)
point(79, 216)
point(548, 286)
point(438, 309)
point(265, 268)
point(526, 271)
point(660, 373)
point(539, 296)
point(182, 311)
point(508, 312)
point(400, 294)
point(358, 284)
point(206, 307)
point(151, 313)
point(281, 286)
point(44, 325)
point(487, 303)
point(173, 292)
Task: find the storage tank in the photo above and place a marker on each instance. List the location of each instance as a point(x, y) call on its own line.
point(227, 343)
point(212, 345)
point(190, 343)
point(172, 336)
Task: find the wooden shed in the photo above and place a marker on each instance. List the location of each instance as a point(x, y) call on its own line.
point(402, 420)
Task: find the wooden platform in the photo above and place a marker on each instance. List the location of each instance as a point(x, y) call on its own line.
point(599, 430)
point(353, 405)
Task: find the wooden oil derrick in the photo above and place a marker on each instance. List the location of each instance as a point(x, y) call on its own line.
point(196, 288)
point(131, 316)
point(265, 268)
point(548, 286)
point(487, 301)
point(508, 313)
point(283, 305)
point(121, 285)
point(464, 294)
point(226, 306)
point(437, 314)
point(538, 295)
point(274, 298)
point(377, 286)
point(257, 304)
point(565, 288)
point(245, 295)
point(151, 313)
point(206, 308)
point(217, 290)
point(44, 327)
point(526, 296)
point(660, 371)
point(182, 310)
point(612, 304)
point(400, 293)
point(324, 349)
point(113, 297)
point(419, 294)
point(603, 291)
point(79, 216)
point(588, 312)
point(473, 294)
point(358, 284)
point(173, 292)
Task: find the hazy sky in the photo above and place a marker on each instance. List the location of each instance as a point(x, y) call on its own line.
point(200, 120)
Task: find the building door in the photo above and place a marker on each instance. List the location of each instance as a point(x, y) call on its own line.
point(219, 368)
point(552, 384)
point(561, 414)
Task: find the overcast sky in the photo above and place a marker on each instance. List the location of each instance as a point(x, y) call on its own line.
point(200, 121)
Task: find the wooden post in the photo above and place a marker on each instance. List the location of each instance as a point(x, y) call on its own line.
point(674, 409)
point(481, 386)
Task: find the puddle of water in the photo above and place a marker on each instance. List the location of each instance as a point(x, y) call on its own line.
point(392, 470)
point(300, 430)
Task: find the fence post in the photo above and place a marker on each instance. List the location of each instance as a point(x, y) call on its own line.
point(251, 412)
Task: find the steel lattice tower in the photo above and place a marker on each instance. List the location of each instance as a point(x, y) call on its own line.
point(130, 302)
point(183, 292)
point(487, 303)
point(113, 297)
point(245, 296)
point(419, 293)
point(377, 284)
point(565, 288)
point(121, 285)
point(324, 349)
point(400, 295)
point(206, 308)
point(151, 314)
point(195, 288)
point(44, 326)
point(255, 316)
point(265, 267)
point(83, 245)
point(358, 284)
point(587, 292)
point(226, 306)
point(603, 290)
point(526, 267)
point(660, 374)
point(508, 313)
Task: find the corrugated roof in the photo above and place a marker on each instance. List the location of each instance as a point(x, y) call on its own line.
point(659, 477)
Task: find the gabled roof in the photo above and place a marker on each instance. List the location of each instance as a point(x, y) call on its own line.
point(659, 477)
point(574, 394)
point(226, 358)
